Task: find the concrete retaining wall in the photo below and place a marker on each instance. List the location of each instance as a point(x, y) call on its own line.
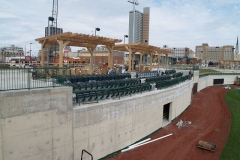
point(42, 124)
point(208, 80)
point(105, 128)
point(36, 124)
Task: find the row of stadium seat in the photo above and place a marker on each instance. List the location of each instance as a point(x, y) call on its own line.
point(106, 93)
point(178, 74)
point(104, 84)
point(158, 78)
point(171, 82)
point(146, 74)
point(86, 78)
point(170, 71)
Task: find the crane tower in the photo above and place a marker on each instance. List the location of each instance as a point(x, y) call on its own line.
point(55, 14)
point(51, 29)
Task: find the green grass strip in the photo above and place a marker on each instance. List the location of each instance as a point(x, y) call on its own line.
point(232, 148)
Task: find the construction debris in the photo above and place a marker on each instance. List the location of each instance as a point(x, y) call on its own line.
point(183, 123)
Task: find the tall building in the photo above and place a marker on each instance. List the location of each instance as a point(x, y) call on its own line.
point(214, 53)
point(141, 27)
point(236, 51)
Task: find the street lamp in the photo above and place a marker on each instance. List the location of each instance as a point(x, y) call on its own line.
point(134, 2)
point(125, 36)
point(96, 29)
point(30, 52)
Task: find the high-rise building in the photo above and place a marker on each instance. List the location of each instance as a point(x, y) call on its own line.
point(214, 53)
point(141, 26)
point(236, 51)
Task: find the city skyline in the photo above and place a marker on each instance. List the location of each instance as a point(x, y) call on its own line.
point(172, 22)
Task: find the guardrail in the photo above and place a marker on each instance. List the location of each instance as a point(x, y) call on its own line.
point(30, 78)
point(217, 73)
point(183, 67)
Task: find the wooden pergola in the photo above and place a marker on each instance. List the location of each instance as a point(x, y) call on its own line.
point(228, 61)
point(142, 49)
point(78, 40)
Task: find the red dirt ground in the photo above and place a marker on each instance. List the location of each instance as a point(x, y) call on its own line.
point(211, 121)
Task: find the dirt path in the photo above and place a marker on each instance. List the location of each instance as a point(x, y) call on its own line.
point(211, 121)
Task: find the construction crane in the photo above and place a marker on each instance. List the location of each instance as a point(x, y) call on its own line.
point(52, 29)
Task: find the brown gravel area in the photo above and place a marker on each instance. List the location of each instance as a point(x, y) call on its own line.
point(211, 121)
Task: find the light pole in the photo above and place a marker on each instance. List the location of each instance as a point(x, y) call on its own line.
point(30, 52)
point(125, 36)
point(134, 3)
point(96, 29)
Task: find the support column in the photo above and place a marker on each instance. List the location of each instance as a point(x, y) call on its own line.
point(44, 45)
point(140, 63)
point(110, 56)
point(91, 49)
point(42, 55)
point(133, 58)
point(62, 44)
point(130, 60)
point(167, 61)
point(159, 60)
point(151, 59)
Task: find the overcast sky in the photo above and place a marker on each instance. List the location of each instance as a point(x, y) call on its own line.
point(176, 23)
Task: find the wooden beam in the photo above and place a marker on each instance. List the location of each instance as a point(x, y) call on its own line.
point(130, 60)
point(151, 59)
point(62, 44)
point(110, 56)
point(91, 50)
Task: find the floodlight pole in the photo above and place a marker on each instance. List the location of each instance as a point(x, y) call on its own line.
point(30, 53)
point(125, 36)
point(96, 29)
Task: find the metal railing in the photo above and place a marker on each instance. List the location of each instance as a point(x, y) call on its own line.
point(183, 67)
point(30, 78)
point(217, 73)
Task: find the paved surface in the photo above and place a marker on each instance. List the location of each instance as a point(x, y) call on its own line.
point(210, 121)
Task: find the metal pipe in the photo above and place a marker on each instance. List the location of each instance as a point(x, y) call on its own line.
point(128, 149)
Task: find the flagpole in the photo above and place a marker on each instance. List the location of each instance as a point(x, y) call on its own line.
point(25, 50)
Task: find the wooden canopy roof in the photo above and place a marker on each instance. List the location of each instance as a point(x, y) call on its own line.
point(142, 48)
point(77, 39)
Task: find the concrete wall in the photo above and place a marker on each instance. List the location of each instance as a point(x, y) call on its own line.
point(43, 124)
point(208, 80)
point(105, 128)
point(36, 124)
